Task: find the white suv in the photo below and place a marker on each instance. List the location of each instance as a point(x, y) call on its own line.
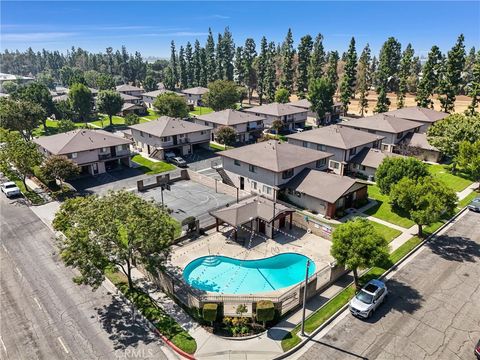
point(368, 298)
point(10, 189)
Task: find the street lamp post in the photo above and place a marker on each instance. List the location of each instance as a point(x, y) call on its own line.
point(305, 298)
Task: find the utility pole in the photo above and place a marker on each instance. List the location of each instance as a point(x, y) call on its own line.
point(305, 298)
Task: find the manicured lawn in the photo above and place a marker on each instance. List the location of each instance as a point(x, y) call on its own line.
point(464, 202)
point(116, 120)
point(52, 128)
point(150, 167)
point(219, 147)
point(456, 182)
point(152, 115)
point(387, 232)
point(162, 321)
point(201, 110)
point(383, 209)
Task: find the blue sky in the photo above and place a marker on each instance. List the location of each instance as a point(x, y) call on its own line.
point(150, 26)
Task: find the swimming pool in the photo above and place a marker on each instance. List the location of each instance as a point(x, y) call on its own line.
point(226, 275)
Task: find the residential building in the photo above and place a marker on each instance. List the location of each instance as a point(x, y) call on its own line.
point(248, 127)
point(194, 95)
point(18, 79)
point(291, 116)
point(130, 90)
point(392, 128)
point(131, 99)
point(330, 117)
point(149, 97)
point(417, 145)
point(168, 134)
point(366, 162)
point(325, 193)
point(95, 151)
point(129, 108)
point(427, 117)
point(263, 168)
point(343, 142)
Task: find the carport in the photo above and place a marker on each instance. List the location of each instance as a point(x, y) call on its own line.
point(258, 214)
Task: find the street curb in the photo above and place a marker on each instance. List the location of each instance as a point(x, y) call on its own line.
point(344, 307)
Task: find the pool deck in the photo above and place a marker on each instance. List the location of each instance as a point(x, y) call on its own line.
point(222, 243)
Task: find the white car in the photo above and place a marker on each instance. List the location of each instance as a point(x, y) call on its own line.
point(10, 189)
point(368, 299)
point(297, 130)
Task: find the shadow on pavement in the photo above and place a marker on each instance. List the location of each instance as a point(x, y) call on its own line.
point(339, 349)
point(455, 248)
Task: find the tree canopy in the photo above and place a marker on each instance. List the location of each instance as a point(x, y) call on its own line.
point(59, 167)
point(81, 101)
point(226, 135)
point(170, 104)
point(282, 95)
point(320, 94)
point(22, 116)
point(109, 102)
point(221, 95)
point(393, 169)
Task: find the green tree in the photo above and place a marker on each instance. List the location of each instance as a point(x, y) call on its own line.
point(118, 229)
point(105, 82)
point(66, 125)
point(347, 87)
point(226, 135)
point(81, 101)
point(182, 67)
point(390, 55)
point(468, 159)
point(320, 94)
point(197, 64)
point(46, 78)
point(261, 68)
point(38, 94)
point(227, 54)
point(425, 200)
point(189, 65)
point(132, 119)
point(332, 70)
point(242, 94)
point(304, 55)
point(282, 95)
point(429, 81)
point(63, 110)
point(270, 75)
point(150, 84)
point(109, 102)
point(22, 154)
point(356, 244)
point(451, 80)
point(363, 79)
point(405, 69)
point(173, 66)
point(91, 78)
point(22, 116)
point(170, 104)
point(210, 57)
point(474, 88)
point(277, 125)
point(9, 86)
point(59, 167)
point(169, 79)
point(221, 95)
point(393, 169)
point(248, 59)
point(447, 134)
point(288, 69)
point(317, 59)
point(238, 63)
point(265, 311)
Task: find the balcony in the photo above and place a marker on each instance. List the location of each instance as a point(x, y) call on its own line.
point(104, 156)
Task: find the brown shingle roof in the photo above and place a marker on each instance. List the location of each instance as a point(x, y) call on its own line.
point(322, 185)
point(420, 141)
point(168, 126)
point(229, 117)
point(79, 140)
point(303, 103)
point(275, 156)
point(382, 122)
point(130, 106)
point(199, 90)
point(126, 87)
point(370, 157)
point(417, 113)
point(127, 98)
point(155, 93)
point(337, 137)
point(275, 109)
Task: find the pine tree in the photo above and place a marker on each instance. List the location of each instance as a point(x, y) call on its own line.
point(203, 68)
point(363, 75)
point(387, 70)
point(182, 66)
point(474, 88)
point(248, 58)
point(196, 66)
point(452, 75)
point(332, 74)
point(239, 70)
point(347, 88)
point(317, 59)
point(304, 55)
point(404, 72)
point(219, 58)
point(429, 80)
point(189, 64)
point(270, 85)
point(287, 52)
point(173, 64)
point(210, 69)
point(261, 66)
point(228, 54)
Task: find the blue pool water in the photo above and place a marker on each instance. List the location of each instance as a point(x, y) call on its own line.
point(233, 276)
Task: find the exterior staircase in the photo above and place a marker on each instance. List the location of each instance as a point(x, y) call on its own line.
point(225, 178)
point(156, 154)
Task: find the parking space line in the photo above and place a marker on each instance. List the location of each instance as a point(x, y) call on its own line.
point(3, 346)
point(38, 304)
point(63, 345)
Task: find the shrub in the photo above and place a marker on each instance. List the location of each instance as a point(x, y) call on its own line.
point(210, 312)
point(265, 311)
point(190, 222)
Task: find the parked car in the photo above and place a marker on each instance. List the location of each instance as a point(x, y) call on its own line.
point(178, 161)
point(368, 299)
point(10, 189)
point(474, 205)
point(477, 350)
point(297, 130)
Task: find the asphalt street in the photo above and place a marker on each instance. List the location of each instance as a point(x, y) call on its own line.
point(45, 315)
point(432, 312)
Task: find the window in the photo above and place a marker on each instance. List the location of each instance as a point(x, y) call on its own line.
point(385, 147)
point(120, 147)
point(206, 123)
point(149, 135)
point(202, 132)
point(267, 189)
point(321, 147)
point(298, 194)
point(254, 185)
point(251, 168)
point(74, 155)
point(289, 191)
point(287, 174)
point(353, 151)
point(103, 149)
point(182, 135)
point(166, 138)
point(141, 133)
point(236, 162)
point(334, 165)
point(320, 163)
point(304, 144)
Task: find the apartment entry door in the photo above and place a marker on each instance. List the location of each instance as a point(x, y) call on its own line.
point(242, 183)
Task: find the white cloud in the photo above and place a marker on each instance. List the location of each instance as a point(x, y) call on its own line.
point(177, 33)
point(36, 36)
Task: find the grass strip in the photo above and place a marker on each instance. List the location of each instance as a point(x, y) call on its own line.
point(150, 167)
point(165, 324)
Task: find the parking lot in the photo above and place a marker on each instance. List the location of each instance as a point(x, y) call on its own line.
point(432, 312)
point(189, 198)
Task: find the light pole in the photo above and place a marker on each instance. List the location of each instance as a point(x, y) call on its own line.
point(305, 298)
